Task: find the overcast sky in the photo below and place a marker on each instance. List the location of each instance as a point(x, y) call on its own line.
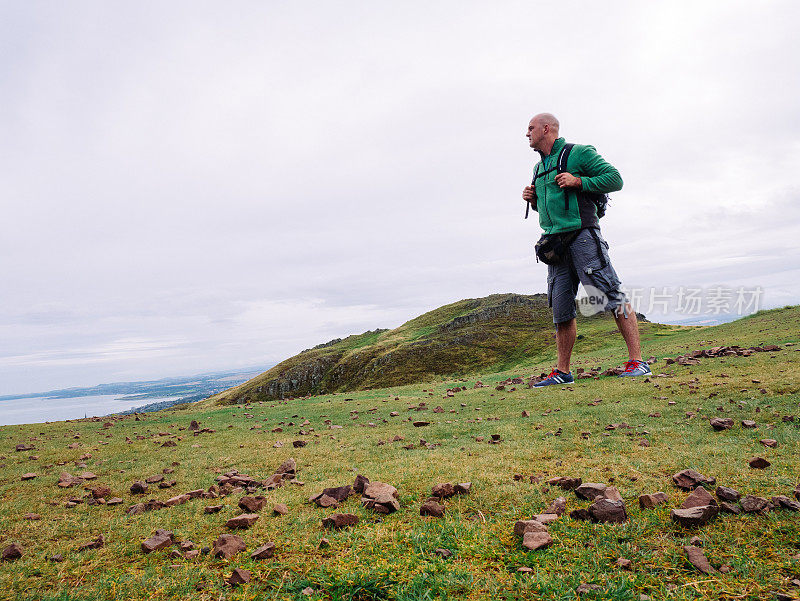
point(193, 186)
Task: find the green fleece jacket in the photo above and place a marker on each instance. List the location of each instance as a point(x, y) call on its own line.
point(557, 214)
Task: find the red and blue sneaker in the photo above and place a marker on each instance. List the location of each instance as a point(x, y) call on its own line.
point(636, 368)
point(556, 377)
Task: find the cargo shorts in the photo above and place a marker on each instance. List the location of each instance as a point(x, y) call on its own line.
point(586, 262)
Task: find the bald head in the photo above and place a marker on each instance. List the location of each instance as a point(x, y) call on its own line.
point(542, 132)
point(547, 119)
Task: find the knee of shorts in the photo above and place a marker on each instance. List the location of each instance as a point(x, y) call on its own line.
point(564, 316)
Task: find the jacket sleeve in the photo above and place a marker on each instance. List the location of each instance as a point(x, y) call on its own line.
point(597, 174)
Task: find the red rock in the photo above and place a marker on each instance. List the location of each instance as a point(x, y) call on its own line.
point(288, 468)
point(24, 447)
point(695, 516)
point(431, 508)
point(265, 551)
point(759, 463)
point(420, 424)
point(242, 521)
point(463, 488)
point(699, 498)
point(690, 479)
point(12, 552)
point(178, 500)
point(97, 543)
point(194, 425)
point(88, 476)
point(769, 442)
point(28, 476)
point(228, 545)
point(160, 540)
point(748, 423)
point(523, 526)
point(651, 500)
point(280, 509)
point(340, 520)
point(238, 576)
point(565, 483)
point(443, 491)
point(557, 507)
point(154, 479)
point(138, 488)
point(193, 554)
point(607, 511)
point(360, 484)
point(381, 497)
point(727, 494)
point(721, 423)
point(252, 504)
point(753, 504)
point(698, 559)
point(101, 492)
point(536, 540)
point(624, 564)
point(785, 502)
point(31, 516)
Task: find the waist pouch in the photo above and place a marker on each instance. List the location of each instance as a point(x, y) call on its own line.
point(551, 249)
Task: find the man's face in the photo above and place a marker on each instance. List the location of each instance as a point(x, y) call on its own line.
point(536, 133)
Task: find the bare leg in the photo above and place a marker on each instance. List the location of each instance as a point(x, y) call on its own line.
point(565, 340)
point(629, 328)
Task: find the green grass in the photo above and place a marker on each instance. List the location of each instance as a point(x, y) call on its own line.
point(392, 557)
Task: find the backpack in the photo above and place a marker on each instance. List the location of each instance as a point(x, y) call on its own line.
point(600, 200)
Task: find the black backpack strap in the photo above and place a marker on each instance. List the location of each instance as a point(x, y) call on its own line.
point(561, 167)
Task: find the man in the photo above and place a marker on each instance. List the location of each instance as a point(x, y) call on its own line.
point(566, 211)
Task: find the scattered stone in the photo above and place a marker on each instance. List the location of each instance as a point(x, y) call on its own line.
point(612, 493)
point(228, 545)
point(31, 516)
point(587, 588)
point(340, 520)
point(138, 488)
point(360, 484)
point(698, 559)
point(97, 543)
point(420, 424)
point(238, 576)
point(299, 443)
point(536, 540)
point(242, 521)
point(581, 515)
point(431, 508)
point(690, 479)
point(194, 425)
point(523, 526)
point(769, 442)
point(590, 491)
point(213, 509)
point(725, 493)
point(381, 497)
point(557, 507)
point(695, 516)
point(785, 503)
point(721, 423)
point(730, 507)
point(12, 551)
point(565, 483)
point(280, 509)
point(463, 488)
point(607, 511)
point(28, 476)
point(443, 491)
point(699, 498)
point(160, 540)
point(748, 423)
point(252, 504)
point(265, 551)
point(753, 504)
point(443, 553)
point(58, 558)
point(759, 463)
point(651, 500)
point(624, 564)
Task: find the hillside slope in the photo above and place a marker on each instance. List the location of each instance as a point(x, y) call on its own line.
point(495, 332)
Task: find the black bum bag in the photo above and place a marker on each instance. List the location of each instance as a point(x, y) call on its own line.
point(551, 249)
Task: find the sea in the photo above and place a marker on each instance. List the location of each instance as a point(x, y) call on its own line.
point(33, 410)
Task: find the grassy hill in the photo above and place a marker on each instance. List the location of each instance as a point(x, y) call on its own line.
point(492, 333)
point(632, 434)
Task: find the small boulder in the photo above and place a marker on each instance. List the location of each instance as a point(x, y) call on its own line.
point(228, 545)
point(360, 484)
point(769, 442)
point(280, 509)
point(160, 540)
point(753, 504)
point(12, 552)
point(749, 423)
point(431, 508)
point(607, 511)
point(695, 516)
point(213, 509)
point(590, 491)
point(651, 500)
point(238, 576)
point(725, 493)
point(721, 423)
point(340, 520)
point(265, 551)
point(443, 491)
point(785, 502)
point(699, 498)
point(242, 521)
point(381, 497)
point(698, 559)
point(759, 463)
point(523, 526)
point(557, 507)
point(28, 476)
point(97, 543)
point(139, 488)
point(690, 479)
point(536, 540)
point(252, 504)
